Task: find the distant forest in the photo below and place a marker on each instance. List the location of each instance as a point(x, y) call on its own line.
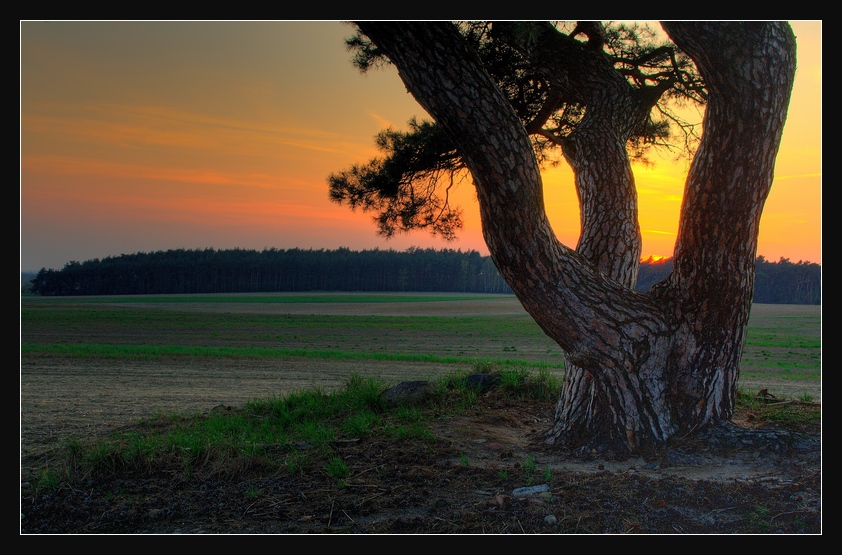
point(414, 270)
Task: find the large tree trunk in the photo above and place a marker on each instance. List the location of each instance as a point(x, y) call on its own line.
point(749, 70)
point(610, 234)
point(646, 366)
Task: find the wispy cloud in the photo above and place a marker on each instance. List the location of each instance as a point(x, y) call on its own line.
point(67, 165)
point(136, 126)
point(798, 176)
point(383, 123)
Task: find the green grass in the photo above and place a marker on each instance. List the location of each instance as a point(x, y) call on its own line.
point(159, 352)
point(290, 434)
point(529, 466)
point(784, 342)
point(786, 412)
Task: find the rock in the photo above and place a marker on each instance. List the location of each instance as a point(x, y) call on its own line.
point(410, 393)
point(520, 493)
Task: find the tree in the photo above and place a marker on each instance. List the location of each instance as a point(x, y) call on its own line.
point(641, 367)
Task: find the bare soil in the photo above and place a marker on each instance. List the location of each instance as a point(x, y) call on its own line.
point(464, 482)
point(753, 477)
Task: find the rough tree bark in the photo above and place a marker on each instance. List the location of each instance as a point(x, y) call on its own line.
point(596, 151)
point(644, 366)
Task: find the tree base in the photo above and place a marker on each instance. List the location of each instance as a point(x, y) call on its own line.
point(727, 440)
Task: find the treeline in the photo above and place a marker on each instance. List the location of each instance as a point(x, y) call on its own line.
point(782, 282)
point(251, 271)
point(418, 270)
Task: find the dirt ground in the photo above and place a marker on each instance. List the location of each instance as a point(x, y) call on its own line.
point(465, 482)
point(754, 478)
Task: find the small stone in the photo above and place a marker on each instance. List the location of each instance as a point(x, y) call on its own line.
point(530, 490)
point(550, 520)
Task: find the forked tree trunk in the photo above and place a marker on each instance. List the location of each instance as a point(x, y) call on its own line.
point(646, 366)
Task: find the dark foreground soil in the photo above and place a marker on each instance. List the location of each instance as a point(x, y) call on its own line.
point(754, 477)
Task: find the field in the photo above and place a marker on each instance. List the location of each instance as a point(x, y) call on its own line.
point(93, 365)
point(89, 364)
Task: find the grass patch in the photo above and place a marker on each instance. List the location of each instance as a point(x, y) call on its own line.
point(152, 352)
point(290, 434)
point(786, 412)
point(298, 433)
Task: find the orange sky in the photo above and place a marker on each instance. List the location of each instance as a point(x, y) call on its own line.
point(146, 136)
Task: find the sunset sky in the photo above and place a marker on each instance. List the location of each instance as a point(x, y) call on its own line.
point(147, 136)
